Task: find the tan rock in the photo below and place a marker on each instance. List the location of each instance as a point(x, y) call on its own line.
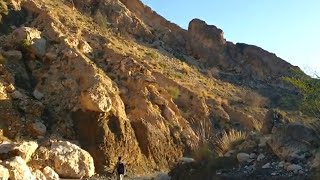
point(50, 174)
point(4, 173)
point(95, 100)
point(18, 169)
point(10, 88)
point(39, 175)
point(70, 161)
point(26, 149)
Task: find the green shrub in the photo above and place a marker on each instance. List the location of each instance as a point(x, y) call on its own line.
point(100, 19)
point(26, 43)
point(151, 54)
point(174, 92)
point(309, 89)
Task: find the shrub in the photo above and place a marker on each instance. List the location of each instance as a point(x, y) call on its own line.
point(174, 92)
point(257, 124)
point(252, 98)
point(26, 43)
point(228, 141)
point(309, 89)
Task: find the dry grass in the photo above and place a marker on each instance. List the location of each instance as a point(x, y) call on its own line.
point(257, 125)
point(254, 99)
point(228, 140)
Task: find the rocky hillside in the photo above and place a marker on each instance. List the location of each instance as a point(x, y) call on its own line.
point(116, 79)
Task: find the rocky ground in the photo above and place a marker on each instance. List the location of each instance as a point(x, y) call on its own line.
point(84, 83)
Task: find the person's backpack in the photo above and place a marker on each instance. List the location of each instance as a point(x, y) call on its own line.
point(120, 168)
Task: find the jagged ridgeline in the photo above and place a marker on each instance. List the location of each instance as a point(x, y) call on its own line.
point(83, 82)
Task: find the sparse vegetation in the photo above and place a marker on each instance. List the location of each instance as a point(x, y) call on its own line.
point(257, 124)
point(26, 43)
point(228, 141)
point(254, 99)
point(309, 89)
point(100, 19)
point(151, 54)
point(174, 92)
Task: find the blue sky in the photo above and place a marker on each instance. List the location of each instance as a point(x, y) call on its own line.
point(288, 28)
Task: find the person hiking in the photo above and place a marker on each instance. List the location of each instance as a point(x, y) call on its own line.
point(120, 169)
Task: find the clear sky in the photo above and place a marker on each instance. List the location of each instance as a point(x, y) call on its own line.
point(288, 28)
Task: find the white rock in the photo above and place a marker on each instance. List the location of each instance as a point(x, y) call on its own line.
point(39, 175)
point(70, 161)
point(95, 100)
point(4, 173)
point(266, 166)
point(294, 167)
point(260, 157)
point(18, 169)
point(50, 174)
point(243, 157)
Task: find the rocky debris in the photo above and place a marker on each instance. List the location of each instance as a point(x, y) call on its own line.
point(260, 157)
point(70, 161)
point(39, 175)
point(292, 140)
point(50, 174)
point(4, 173)
point(18, 169)
point(25, 150)
point(266, 166)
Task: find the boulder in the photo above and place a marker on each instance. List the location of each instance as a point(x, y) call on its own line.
point(50, 174)
point(294, 167)
point(70, 161)
point(4, 173)
point(18, 169)
point(292, 139)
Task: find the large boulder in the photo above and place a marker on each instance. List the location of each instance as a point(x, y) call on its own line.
point(18, 169)
point(291, 140)
point(70, 161)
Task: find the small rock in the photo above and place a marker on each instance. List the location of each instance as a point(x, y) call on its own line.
point(273, 174)
point(266, 166)
point(37, 94)
point(301, 172)
point(50, 174)
point(184, 160)
point(17, 95)
point(260, 157)
point(4, 173)
point(38, 129)
point(281, 164)
point(253, 156)
point(294, 167)
point(243, 157)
